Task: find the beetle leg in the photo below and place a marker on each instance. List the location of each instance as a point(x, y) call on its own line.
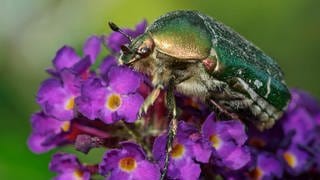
point(149, 101)
point(224, 111)
point(172, 131)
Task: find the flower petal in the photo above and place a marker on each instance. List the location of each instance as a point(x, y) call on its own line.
point(92, 47)
point(63, 162)
point(146, 170)
point(66, 57)
point(92, 98)
point(237, 159)
point(130, 107)
point(269, 165)
point(52, 97)
point(107, 63)
point(123, 80)
point(190, 170)
point(35, 142)
point(43, 124)
point(208, 127)
point(133, 149)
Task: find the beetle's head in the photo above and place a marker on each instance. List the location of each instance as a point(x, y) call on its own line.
point(139, 48)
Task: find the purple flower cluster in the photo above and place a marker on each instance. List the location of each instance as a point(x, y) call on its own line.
point(90, 108)
point(291, 147)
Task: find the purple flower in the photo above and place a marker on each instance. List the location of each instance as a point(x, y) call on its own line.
point(46, 132)
point(301, 123)
point(295, 159)
point(68, 167)
point(115, 39)
point(227, 139)
point(66, 57)
point(300, 119)
point(267, 167)
point(181, 164)
point(118, 100)
point(56, 97)
point(129, 162)
point(301, 99)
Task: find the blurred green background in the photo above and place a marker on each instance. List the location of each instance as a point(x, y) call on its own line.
point(31, 32)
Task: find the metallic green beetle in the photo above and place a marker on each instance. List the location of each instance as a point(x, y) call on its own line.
point(207, 59)
point(198, 56)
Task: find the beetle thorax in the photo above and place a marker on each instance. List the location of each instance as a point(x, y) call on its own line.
point(159, 69)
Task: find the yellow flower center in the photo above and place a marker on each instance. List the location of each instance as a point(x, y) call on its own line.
point(70, 103)
point(177, 151)
point(290, 159)
point(78, 175)
point(215, 141)
point(113, 102)
point(127, 164)
point(66, 126)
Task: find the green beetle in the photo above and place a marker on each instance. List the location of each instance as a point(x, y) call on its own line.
point(198, 56)
point(206, 59)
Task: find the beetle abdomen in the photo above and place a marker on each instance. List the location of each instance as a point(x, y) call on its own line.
point(240, 58)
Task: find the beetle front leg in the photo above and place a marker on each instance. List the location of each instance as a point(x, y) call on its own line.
point(172, 131)
point(151, 98)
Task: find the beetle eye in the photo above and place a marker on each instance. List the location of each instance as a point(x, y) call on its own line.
point(144, 51)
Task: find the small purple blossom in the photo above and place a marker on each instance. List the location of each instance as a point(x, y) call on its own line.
point(56, 97)
point(66, 57)
point(296, 160)
point(112, 102)
point(302, 99)
point(68, 167)
point(267, 167)
point(301, 123)
point(129, 162)
point(46, 132)
point(182, 164)
point(227, 139)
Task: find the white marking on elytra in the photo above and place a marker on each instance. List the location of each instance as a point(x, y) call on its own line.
point(258, 83)
point(268, 71)
point(268, 88)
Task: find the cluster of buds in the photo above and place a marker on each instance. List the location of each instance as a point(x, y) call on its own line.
point(97, 108)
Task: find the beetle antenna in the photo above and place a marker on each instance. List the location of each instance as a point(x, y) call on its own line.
point(115, 28)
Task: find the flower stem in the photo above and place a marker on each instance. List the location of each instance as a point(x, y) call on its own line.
point(135, 135)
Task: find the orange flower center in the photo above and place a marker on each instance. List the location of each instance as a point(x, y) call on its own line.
point(113, 102)
point(290, 159)
point(66, 126)
point(215, 141)
point(127, 164)
point(70, 103)
point(78, 175)
point(177, 151)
